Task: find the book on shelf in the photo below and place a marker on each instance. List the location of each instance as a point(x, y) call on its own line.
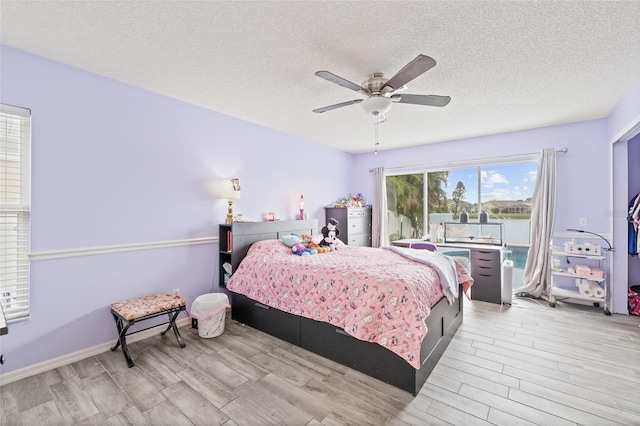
point(229, 241)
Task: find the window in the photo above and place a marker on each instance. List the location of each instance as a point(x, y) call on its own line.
point(502, 190)
point(15, 140)
point(405, 202)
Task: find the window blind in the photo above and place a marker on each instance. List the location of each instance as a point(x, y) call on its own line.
point(15, 141)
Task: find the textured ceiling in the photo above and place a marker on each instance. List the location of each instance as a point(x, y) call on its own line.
point(506, 65)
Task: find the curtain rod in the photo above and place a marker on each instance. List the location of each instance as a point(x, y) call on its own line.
point(448, 163)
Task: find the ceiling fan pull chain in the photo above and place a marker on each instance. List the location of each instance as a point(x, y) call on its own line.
point(375, 125)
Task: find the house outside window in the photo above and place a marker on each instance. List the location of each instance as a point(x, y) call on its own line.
point(15, 141)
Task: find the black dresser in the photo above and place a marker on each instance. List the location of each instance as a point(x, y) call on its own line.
point(355, 224)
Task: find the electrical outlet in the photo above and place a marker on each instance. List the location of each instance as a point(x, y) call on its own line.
point(176, 292)
point(583, 221)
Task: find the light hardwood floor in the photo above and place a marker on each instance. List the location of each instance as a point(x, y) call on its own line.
point(527, 364)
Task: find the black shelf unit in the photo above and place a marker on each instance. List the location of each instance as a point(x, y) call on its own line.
point(235, 239)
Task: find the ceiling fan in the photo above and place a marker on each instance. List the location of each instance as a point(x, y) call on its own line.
point(381, 92)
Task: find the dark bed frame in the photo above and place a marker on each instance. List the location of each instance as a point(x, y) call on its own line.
point(334, 343)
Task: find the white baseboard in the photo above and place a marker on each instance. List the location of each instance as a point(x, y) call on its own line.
point(32, 370)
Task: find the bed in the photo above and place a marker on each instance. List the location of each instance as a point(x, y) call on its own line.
point(369, 309)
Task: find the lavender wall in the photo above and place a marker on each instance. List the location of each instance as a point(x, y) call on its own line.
point(625, 115)
point(116, 165)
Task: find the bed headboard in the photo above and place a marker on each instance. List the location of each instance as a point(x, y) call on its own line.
point(243, 234)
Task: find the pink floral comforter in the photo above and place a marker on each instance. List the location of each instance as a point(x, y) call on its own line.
point(375, 295)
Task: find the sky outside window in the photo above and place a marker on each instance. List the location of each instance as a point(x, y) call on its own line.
point(498, 182)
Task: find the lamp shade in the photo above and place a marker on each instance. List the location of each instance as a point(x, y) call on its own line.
point(230, 189)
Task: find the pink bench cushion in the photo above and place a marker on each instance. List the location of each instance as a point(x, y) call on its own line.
point(136, 308)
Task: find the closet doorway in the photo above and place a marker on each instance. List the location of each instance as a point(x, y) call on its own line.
point(625, 172)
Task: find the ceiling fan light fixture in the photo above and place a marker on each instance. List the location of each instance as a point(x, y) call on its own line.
point(376, 105)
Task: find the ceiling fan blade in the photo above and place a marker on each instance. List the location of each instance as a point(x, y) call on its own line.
point(429, 100)
point(339, 80)
point(340, 105)
point(420, 65)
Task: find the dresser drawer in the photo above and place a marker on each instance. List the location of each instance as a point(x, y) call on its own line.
point(485, 259)
point(486, 288)
point(485, 276)
point(355, 213)
point(359, 239)
point(358, 225)
point(485, 270)
point(485, 255)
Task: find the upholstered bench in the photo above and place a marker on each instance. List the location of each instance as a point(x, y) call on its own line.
point(132, 311)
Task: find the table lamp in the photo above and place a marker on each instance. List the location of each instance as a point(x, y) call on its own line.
point(230, 191)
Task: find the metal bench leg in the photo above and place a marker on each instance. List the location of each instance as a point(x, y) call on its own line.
point(172, 324)
point(122, 338)
point(118, 321)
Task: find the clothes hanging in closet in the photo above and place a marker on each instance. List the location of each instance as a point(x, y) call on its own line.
point(634, 223)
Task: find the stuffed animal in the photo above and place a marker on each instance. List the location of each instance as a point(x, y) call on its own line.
point(301, 250)
point(330, 234)
point(308, 242)
point(297, 247)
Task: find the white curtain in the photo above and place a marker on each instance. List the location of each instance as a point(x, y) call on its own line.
point(379, 220)
point(543, 214)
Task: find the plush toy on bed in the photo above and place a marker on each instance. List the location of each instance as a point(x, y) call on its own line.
point(330, 234)
point(297, 247)
point(308, 242)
